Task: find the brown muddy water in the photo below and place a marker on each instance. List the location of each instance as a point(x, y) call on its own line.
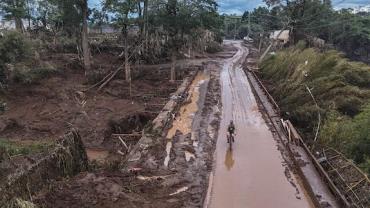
point(96, 154)
point(253, 174)
point(183, 122)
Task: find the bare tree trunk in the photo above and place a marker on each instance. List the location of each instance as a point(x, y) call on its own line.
point(145, 29)
point(85, 41)
point(260, 45)
point(140, 17)
point(29, 14)
point(19, 24)
point(127, 63)
point(173, 67)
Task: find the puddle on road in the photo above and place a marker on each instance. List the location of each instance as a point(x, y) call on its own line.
point(184, 120)
point(229, 160)
point(97, 154)
point(168, 151)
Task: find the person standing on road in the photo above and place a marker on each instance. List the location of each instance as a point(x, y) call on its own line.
point(231, 130)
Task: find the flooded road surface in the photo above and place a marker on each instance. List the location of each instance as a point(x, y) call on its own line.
point(253, 174)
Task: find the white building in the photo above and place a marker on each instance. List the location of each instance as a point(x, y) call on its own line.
point(283, 37)
point(361, 9)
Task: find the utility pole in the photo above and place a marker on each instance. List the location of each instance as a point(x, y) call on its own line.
point(318, 116)
point(235, 30)
point(236, 19)
point(273, 41)
point(249, 24)
point(260, 43)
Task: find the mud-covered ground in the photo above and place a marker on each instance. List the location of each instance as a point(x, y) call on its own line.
point(172, 172)
point(36, 115)
point(47, 110)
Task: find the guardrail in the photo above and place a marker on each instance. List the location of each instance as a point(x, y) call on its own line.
point(349, 179)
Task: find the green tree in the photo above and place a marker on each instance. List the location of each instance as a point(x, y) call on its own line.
point(121, 9)
point(14, 10)
point(98, 18)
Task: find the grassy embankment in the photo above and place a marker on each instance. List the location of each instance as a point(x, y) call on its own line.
point(341, 88)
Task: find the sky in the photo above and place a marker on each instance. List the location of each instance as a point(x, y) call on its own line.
point(239, 6)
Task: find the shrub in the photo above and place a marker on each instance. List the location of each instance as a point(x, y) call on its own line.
point(213, 47)
point(14, 47)
point(18, 62)
point(341, 88)
point(25, 75)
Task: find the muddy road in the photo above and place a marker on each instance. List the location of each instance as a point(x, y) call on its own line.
point(254, 174)
point(173, 163)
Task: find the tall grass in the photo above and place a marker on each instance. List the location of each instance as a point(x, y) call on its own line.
point(12, 148)
point(341, 88)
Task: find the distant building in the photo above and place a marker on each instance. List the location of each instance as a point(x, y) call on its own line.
point(360, 9)
point(283, 37)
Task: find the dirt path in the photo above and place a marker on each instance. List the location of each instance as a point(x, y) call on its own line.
point(254, 173)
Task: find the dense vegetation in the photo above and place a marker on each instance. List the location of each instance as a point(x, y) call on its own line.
point(148, 30)
point(345, 30)
point(19, 60)
point(341, 89)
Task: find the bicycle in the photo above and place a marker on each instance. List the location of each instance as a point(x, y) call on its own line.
point(230, 140)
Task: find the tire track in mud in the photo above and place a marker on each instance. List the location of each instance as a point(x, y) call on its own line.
point(257, 175)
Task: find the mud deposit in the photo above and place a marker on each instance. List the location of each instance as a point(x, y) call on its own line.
point(169, 168)
point(110, 122)
point(48, 110)
point(183, 122)
point(147, 182)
